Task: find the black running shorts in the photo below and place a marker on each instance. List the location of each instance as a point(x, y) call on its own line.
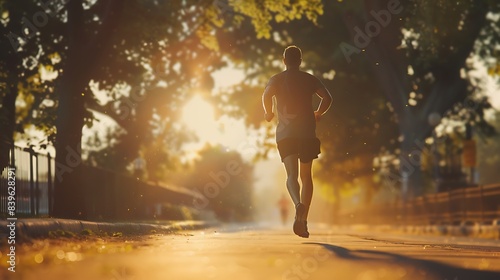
point(306, 148)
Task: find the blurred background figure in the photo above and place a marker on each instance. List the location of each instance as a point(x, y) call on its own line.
point(283, 204)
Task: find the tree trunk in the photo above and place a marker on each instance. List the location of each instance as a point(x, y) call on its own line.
point(410, 165)
point(82, 56)
point(12, 64)
point(8, 123)
point(68, 192)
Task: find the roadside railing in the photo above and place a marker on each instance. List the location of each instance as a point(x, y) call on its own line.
point(34, 183)
point(107, 194)
point(480, 204)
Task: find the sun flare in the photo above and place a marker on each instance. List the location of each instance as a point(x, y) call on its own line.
point(199, 116)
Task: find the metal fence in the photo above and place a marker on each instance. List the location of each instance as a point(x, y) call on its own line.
point(479, 204)
point(107, 194)
point(34, 182)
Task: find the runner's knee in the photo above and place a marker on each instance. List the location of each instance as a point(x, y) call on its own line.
point(306, 179)
point(305, 174)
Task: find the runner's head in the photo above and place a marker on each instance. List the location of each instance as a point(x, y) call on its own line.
point(292, 57)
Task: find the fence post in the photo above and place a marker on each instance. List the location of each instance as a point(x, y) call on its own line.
point(450, 207)
point(49, 182)
point(32, 181)
point(465, 206)
point(37, 187)
point(481, 203)
point(12, 154)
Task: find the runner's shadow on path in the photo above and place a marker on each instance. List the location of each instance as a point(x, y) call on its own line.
point(413, 266)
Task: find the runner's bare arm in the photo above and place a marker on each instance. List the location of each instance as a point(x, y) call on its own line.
point(324, 105)
point(267, 103)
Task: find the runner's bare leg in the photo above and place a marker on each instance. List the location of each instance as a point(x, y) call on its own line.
point(307, 185)
point(292, 183)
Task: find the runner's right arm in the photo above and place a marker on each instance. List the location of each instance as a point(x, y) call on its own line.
point(326, 102)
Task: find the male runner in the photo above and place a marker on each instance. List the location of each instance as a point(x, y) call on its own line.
point(296, 131)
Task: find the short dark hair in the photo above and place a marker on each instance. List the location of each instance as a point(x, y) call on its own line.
point(292, 55)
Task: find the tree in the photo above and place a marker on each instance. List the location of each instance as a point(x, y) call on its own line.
point(489, 156)
point(176, 60)
point(435, 50)
point(104, 43)
point(84, 49)
point(225, 181)
point(20, 72)
point(353, 131)
point(95, 45)
point(422, 79)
